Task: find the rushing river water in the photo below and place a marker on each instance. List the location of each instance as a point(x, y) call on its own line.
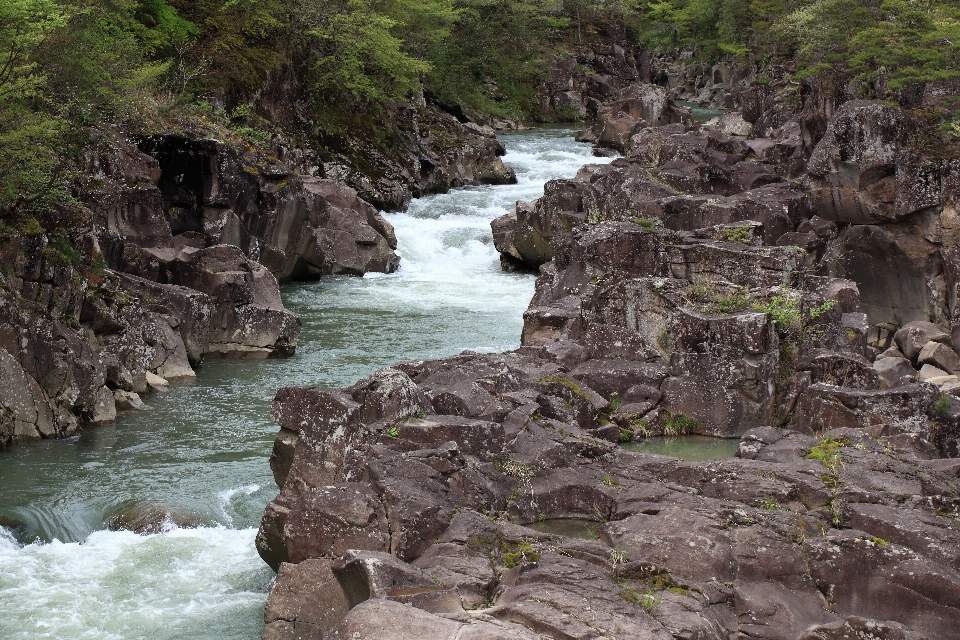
point(204, 448)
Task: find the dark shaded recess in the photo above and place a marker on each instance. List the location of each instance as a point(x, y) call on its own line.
point(184, 181)
point(453, 109)
point(891, 289)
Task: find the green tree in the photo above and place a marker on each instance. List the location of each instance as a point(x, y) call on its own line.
point(911, 42)
point(360, 55)
point(29, 134)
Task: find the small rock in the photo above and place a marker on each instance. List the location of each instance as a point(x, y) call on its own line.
point(892, 369)
point(128, 400)
point(912, 337)
point(148, 517)
point(105, 409)
point(952, 388)
point(819, 226)
point(929, 372)
point(732, 124)
point(156, 381)
point(939, 355)
point(942, 381)
point(892, 352)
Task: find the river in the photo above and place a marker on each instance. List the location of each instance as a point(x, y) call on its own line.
point(204, 448)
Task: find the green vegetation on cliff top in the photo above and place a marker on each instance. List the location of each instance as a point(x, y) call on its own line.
point(67, 65)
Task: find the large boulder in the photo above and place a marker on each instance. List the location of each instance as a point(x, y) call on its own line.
point(322, 227)
point(863, 171)
point(643, 106)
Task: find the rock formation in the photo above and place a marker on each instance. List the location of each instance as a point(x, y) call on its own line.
point(431, 498)
point(181, 250)
point(795, 291)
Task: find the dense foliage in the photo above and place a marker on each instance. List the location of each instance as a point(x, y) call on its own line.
point(67, 64)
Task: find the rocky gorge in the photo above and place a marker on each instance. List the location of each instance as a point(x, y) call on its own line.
point(783, 276)
point(186, 241)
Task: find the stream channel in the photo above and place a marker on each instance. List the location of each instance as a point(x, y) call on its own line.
point(205, 447)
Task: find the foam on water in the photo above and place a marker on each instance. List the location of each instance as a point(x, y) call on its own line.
point(204, 449)
point(186, 583)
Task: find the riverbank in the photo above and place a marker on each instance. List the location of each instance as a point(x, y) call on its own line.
point(204, 447)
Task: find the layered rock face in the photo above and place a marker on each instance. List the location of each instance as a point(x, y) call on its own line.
point(433, 152)
point(679, 179)
point(435, 497)
point(78, 346)
point(201, 194)
point(576, 88)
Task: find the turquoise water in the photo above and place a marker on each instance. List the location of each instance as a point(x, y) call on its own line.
point(701, 114)
point(204, 449)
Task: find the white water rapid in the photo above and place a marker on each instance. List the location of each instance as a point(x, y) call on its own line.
point(204, 448)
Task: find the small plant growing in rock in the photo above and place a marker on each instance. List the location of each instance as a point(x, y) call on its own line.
point(819, 310)
point(646, 599)
point(739, 234)
point(664, 340)
point(615, 402)
point(826, 452)
point(392, 432)
point(645, 223)
point(678, 424)
point(945, 512)
point(617, 557)
point(99, 263)
point(783, 311)
point(626, 435)
point(608, 481)
point(836, 511)
point(831, 481)
point(700, 292)
point(879, 542)
point(769, 504)
point(30, 227)
point(954, 128)
point(641, 426)
point(732, 303)
point(541, 516)
point(943, 405)
point(518, 552)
